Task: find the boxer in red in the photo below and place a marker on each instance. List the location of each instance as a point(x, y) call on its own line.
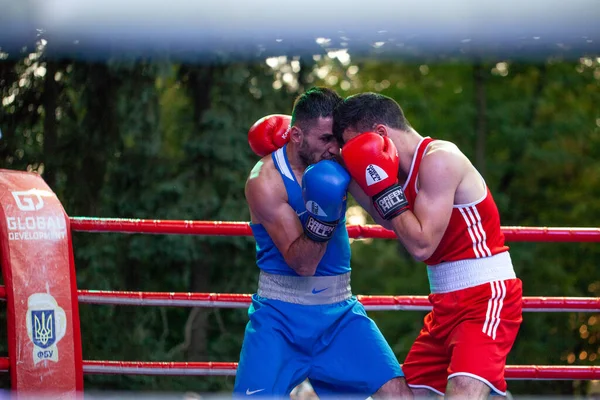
point(442, 211)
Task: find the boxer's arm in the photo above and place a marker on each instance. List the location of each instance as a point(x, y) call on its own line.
point(421, 230)
point(271, 209)
point(366, 203)
point(364, 200)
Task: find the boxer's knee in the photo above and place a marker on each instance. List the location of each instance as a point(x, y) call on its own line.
point(426, 394)
point(466, 387)
point(395, 388)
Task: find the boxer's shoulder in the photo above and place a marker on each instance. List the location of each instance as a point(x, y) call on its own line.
point(265, 182)
point(442, 146)
point(442, 155)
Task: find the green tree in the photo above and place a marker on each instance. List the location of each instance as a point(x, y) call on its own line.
point(153, 138)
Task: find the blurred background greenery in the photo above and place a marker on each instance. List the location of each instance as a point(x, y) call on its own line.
point(165, 139)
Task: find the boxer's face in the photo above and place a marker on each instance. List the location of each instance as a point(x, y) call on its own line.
point(349, 133)
point(318, 142)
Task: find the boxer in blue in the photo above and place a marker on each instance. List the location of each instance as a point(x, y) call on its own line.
point(304, 320)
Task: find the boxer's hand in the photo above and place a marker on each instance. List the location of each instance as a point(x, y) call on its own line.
point(269, 134)
point(324, 187)
point(372, 161)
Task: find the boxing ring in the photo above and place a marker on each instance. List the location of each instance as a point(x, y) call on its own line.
point(41, 296)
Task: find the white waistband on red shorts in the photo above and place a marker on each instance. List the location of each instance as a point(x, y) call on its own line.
point(456, 275)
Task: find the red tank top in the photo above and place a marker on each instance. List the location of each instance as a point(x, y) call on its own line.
point(473, 230)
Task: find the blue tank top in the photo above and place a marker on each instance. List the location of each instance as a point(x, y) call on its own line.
point(336, 259)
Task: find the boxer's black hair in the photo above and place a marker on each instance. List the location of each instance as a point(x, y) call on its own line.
point(361, 112)
point(314, 103)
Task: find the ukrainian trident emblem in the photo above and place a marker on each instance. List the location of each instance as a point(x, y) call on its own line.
point(46, 326)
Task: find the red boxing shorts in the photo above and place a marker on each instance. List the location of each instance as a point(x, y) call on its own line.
point(469, 332)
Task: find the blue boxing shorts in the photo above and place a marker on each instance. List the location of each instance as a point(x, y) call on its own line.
point(336, 345)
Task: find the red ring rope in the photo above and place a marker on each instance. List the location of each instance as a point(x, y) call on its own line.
point(230, 300)
point(227, 300)
point(513, 372)
point(221, 228)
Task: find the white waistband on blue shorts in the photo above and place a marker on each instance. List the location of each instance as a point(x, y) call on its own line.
point(456, 275)
point(306, 290)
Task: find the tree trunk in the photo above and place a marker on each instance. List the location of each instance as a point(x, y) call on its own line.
point(200, 282)
point(200, 81)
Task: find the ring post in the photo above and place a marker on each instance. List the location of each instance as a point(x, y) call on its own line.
point(44, 340)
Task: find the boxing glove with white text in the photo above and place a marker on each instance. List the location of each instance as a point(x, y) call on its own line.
point(324, 187)
point(269, 134)
point(372, 161)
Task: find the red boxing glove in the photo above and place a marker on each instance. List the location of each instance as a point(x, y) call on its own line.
point(372, 161)
point(269, 134)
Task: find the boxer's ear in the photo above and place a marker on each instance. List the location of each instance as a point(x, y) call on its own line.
point(380, 129)
point(296, 134)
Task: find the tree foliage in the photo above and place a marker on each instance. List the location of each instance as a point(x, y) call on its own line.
point(164, 140)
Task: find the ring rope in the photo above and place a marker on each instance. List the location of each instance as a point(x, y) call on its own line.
point(226, 300)
point(222, 228)
point(512, 372)
point(377, 303)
